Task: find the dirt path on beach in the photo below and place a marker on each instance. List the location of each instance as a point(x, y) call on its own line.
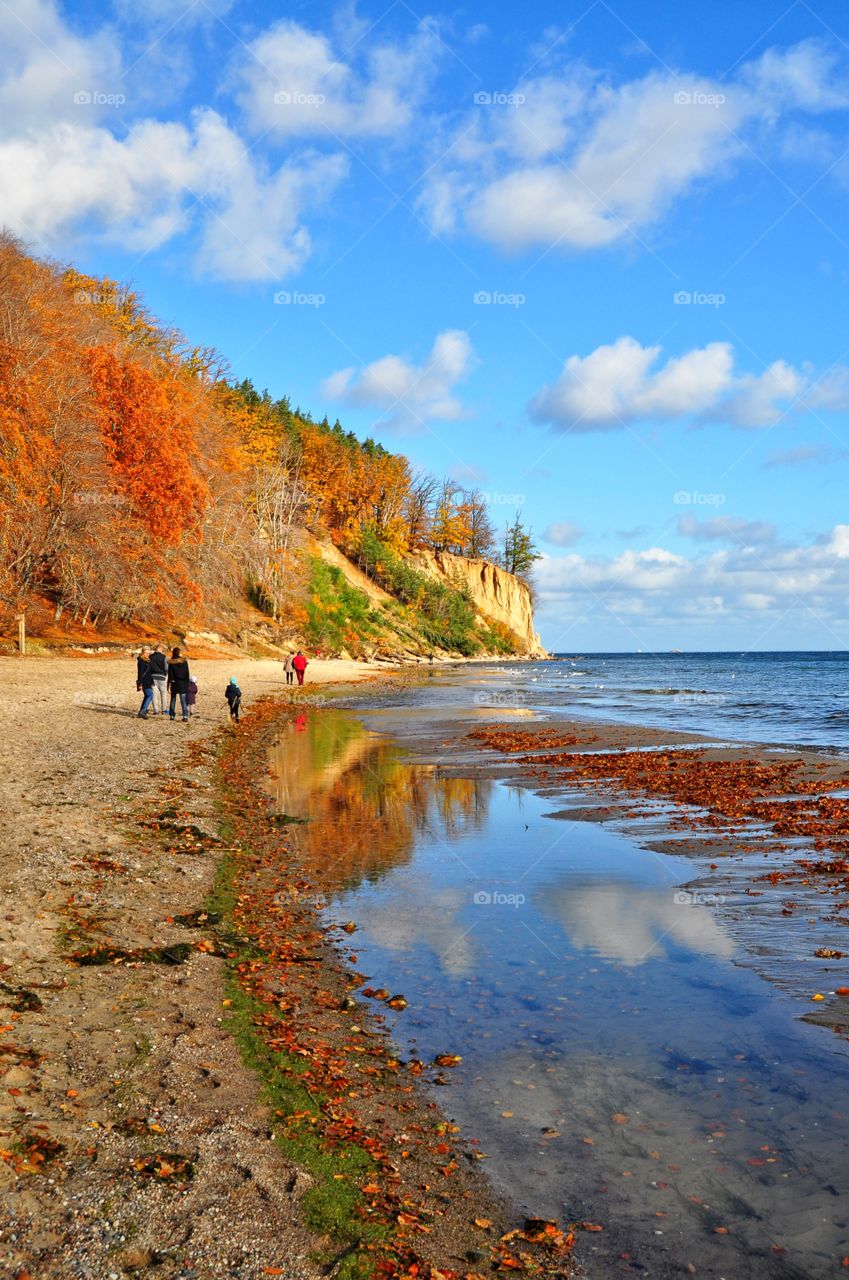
point(130, 1132)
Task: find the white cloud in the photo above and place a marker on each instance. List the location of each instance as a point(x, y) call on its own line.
point(837, 543)
point(579, 162)
point(293, 82)
point(66, 170)
point(410, 394)
point(759, 399)
point(622, 382)
point(563, 534)
point(44, 65)
point(140, 190)
point(759, 587)
point(727, 529)
point(803, 76)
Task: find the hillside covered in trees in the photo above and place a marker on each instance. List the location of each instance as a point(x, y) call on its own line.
point(139, 484)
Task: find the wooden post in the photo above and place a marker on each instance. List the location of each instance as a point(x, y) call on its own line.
point(22, 633)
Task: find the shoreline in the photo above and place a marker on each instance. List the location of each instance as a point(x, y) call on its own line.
point(134, 1136)
point(131, 1128)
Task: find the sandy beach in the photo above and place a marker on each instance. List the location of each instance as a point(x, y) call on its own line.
point(83, 1046)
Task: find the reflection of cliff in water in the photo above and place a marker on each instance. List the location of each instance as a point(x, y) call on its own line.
point(365, 805)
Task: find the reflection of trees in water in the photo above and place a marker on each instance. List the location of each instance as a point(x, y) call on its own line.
point(365, 806)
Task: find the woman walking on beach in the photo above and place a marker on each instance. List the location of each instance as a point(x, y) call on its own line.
point(178, 684)
point(144, 682)
point(159, 668)
point(289, 669)
point(299, 662)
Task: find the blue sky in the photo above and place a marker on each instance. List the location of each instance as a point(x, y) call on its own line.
point(591, 257)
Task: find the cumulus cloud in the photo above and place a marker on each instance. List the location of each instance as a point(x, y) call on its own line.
point(293, 81)
point(754, 583)
point(146, 188)
point(580, 162)
point(563, 534)
point(410, 394)
point(624, 382)
point(727, 529)
point(75, 160)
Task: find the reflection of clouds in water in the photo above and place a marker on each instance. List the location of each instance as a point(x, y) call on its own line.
point(413, 912)
point(628, 922)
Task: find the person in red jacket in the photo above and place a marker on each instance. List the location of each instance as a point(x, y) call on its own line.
point(299, 662)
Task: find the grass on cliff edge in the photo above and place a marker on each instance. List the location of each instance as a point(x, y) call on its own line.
point(332, 1205)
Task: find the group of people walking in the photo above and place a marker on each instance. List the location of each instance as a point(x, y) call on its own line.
point(159, 677)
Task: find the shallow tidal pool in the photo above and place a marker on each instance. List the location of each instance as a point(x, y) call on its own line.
point(618, 1068)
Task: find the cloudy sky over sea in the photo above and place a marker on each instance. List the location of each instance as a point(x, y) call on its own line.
point(592, 258)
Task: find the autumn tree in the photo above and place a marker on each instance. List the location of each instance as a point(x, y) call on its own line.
point(449, 528)
point(418, 505)
point(480, 539)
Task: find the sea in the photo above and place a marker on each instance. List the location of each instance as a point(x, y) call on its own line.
point(784, 698)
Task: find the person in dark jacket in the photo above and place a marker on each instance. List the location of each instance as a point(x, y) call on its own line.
point(233, 694)
point(159, 667)
point(192, 695)
point(178, 684)
point(144, 682)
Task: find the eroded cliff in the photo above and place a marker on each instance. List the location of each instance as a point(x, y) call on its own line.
point(497, 595)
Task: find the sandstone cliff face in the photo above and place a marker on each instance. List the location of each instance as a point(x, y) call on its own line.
point(496, 594)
